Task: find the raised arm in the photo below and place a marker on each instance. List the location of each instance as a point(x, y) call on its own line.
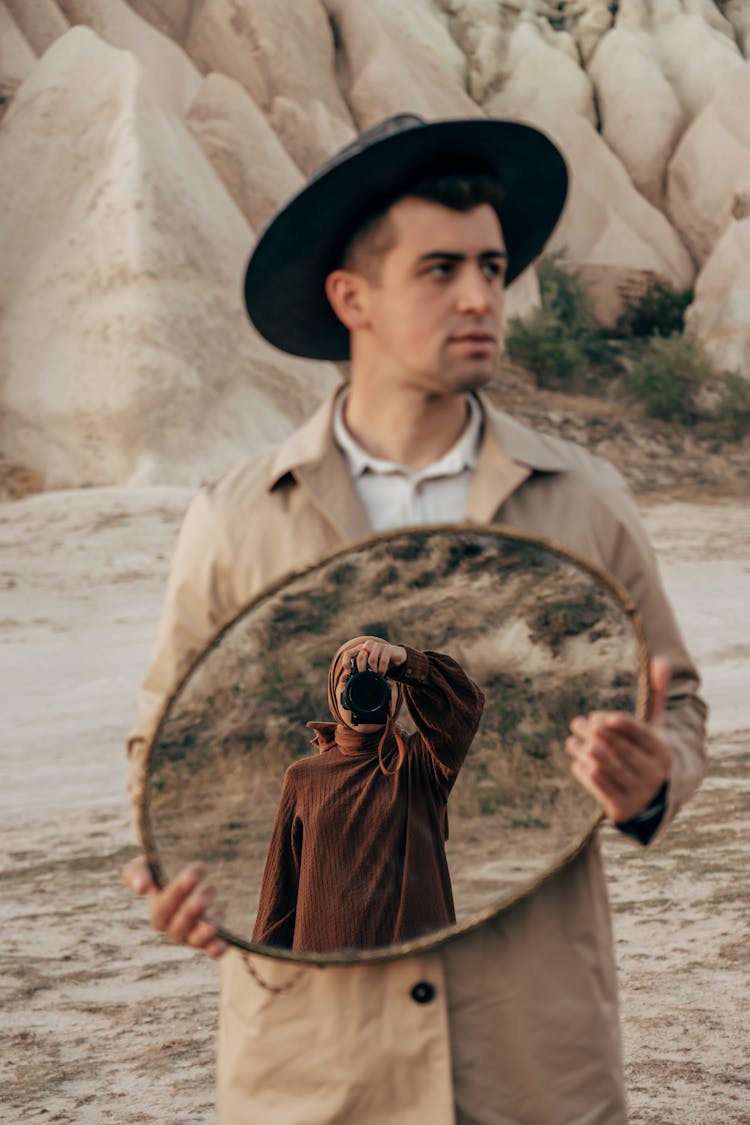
point(445, 704)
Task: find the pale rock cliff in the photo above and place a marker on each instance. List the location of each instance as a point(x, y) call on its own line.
point(643, 128)
point(711, 167)
point(17, 58)
point(174, 78)
point(426, 29)
point(609, 233)
point(543, 73)
point(170, 16)
point(126, 351)
point(693, 42)
point(737, 12)
point(40, 21)
point(144, 142)
point(380, 75)
point(590, 21)
point(246, 153)
point(282, 52)
point(719, 315)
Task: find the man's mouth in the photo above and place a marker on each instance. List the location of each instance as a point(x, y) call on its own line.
point(477, 339)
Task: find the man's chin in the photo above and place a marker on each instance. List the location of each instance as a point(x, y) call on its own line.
point(472, 378)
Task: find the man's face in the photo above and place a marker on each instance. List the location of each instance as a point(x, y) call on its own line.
point(434, 315)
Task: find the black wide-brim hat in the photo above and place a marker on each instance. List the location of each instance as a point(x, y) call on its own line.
point(285, 279)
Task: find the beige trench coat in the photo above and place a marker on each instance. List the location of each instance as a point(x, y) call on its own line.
point(523, 1023)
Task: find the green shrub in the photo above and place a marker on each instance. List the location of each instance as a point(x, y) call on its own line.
point(732, 409)
point(668, 377)
point(658, 311)
point(564, 348)
point(544, 350)
point(561, 341)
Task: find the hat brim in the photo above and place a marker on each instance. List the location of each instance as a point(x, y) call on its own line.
point(285, 280)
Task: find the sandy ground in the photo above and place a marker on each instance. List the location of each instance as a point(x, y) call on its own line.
point(103, 1021)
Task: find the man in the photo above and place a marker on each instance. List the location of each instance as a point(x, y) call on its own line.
point(396, 257)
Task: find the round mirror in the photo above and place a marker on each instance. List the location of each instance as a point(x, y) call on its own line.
point(544, 635)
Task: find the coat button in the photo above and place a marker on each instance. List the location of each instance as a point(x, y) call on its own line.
point(423, 992)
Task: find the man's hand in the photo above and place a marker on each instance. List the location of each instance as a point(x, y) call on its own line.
point(623, 761)
point(373, 653)
point(179, 910)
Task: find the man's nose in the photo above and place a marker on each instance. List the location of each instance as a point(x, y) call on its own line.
point(477, 293)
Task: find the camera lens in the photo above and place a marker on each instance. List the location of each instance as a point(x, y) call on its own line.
point(367, 695)
point(368, 692)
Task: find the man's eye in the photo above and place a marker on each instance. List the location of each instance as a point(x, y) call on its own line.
point(441, 269)
point(492, 270)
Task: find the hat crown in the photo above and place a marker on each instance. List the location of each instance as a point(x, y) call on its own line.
point(399, 123)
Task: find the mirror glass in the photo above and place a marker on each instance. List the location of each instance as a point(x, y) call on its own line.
point(543, 635)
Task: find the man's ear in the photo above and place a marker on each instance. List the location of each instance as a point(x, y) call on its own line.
point(347, 295)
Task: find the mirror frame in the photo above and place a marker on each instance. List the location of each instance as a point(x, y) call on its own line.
point(439, 938)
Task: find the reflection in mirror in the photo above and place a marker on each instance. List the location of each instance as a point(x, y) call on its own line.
point(543, 636)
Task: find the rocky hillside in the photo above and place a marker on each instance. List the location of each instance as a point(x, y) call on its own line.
point(143, 144)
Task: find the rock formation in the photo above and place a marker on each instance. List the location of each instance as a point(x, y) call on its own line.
point(126, 349)
point(143, 142)
point(246, 153)
point(719, 313)
point(16, 56)
point(643, 128)
point(711, 168)
point(282, 52)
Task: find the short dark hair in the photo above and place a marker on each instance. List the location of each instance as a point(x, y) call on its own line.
point(376, 235)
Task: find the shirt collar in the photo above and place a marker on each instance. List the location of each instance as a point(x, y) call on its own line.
point(462, 455)
point(312, 443)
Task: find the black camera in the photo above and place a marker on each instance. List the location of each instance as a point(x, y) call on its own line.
point(367, 695)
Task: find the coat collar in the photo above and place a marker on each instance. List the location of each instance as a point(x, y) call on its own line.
point(509, 453)
point(311, 457)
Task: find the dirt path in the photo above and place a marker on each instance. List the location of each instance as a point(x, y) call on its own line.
point(682, 909)
point(105, 1022)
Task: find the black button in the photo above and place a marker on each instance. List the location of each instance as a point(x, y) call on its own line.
point(423, 992)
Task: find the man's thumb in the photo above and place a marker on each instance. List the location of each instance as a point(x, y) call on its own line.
point(661, 678)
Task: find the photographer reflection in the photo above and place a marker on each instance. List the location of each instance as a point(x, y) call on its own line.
point(357, 854)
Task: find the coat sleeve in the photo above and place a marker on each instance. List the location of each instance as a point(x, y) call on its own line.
point(444, 703)
point(632, 561)
point(277, 908)
point(584, 504)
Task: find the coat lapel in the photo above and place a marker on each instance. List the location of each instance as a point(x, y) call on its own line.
point(331, 489)
point(508, 455)
point(312, 457)
point(495, 478)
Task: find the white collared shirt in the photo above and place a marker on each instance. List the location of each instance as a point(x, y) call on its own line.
point(394, 495)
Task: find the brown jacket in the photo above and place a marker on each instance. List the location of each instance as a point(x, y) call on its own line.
point(357, 854)
point(519, 1023)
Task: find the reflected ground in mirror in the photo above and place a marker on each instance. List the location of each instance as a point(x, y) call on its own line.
point(544, 637)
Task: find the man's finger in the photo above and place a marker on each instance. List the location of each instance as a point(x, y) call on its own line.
point(644, 736)
point(201, 935)
point(168, 902)
point(661, 677)
point(190, 916)
point(216, 948)
point(137, 875)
